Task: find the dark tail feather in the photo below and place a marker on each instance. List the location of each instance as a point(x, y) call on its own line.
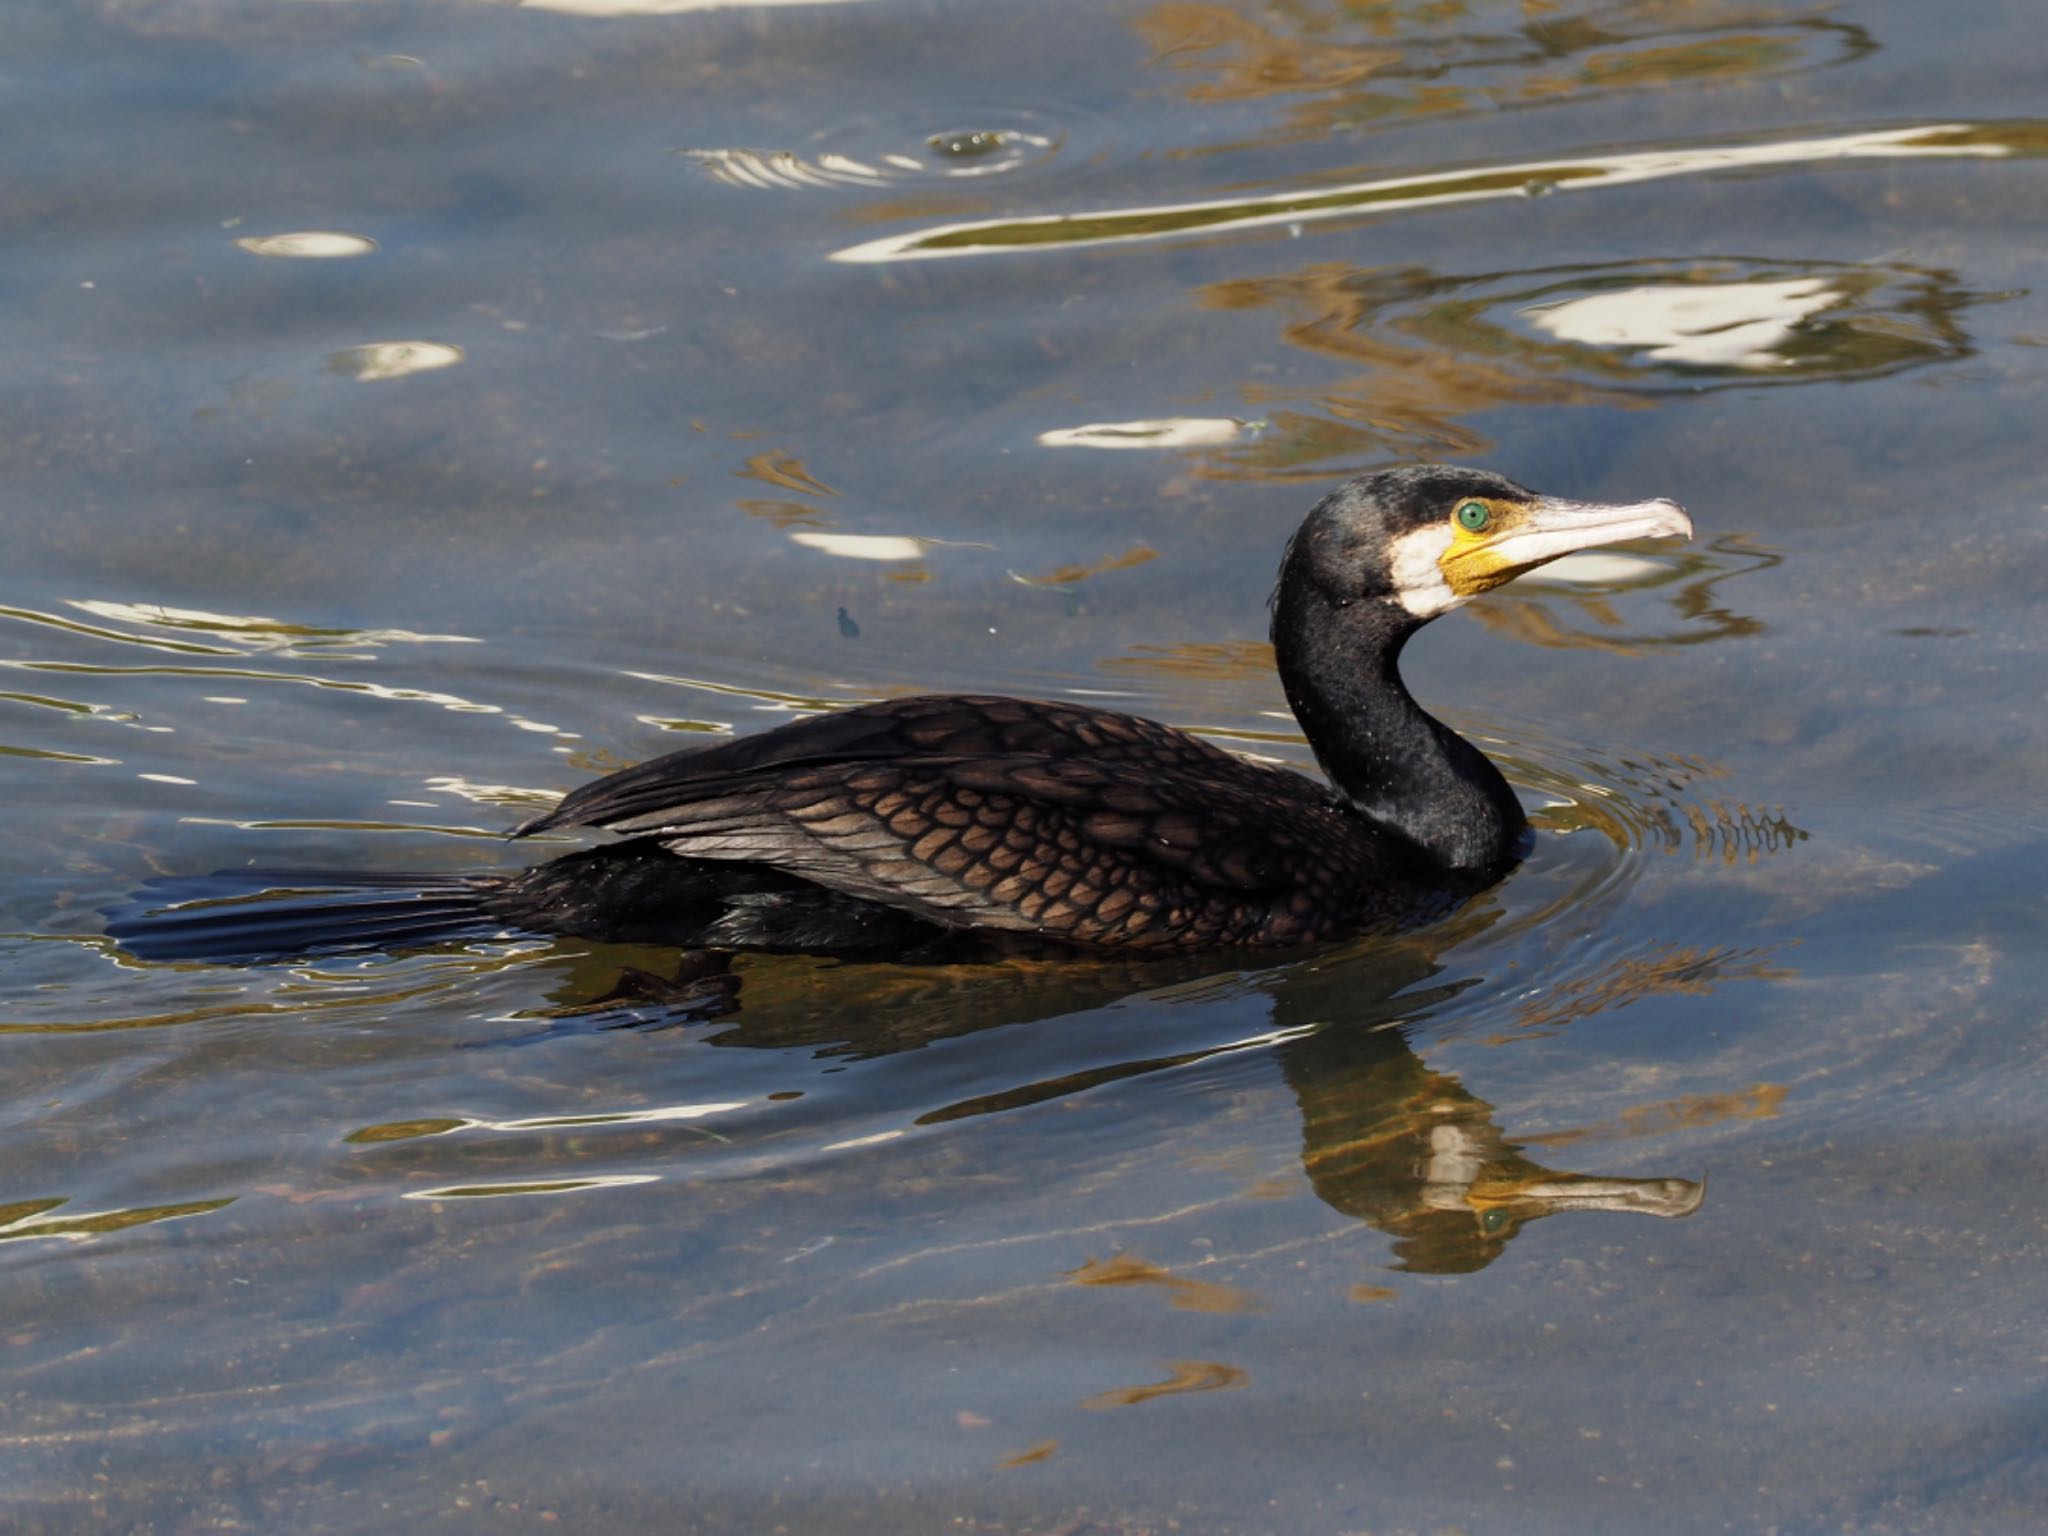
point(241, 915)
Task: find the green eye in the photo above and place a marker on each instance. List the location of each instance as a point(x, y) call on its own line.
point(1495, 1221)
point(1473, 516)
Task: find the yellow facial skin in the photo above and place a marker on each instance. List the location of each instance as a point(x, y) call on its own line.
point(1474, 563)
point(1517, 536)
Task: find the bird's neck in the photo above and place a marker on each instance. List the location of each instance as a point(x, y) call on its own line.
point(1396, 765)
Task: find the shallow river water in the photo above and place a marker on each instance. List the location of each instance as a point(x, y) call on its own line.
point(413, 410)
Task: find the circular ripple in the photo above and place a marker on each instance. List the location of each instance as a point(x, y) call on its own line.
point(1593, 921)
point(931, 143)
point(1659, 325)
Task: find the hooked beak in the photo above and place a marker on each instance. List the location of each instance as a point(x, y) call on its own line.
point(1556, 527)
point(1549, 527)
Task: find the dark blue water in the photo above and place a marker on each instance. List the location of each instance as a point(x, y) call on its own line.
point(413, 411)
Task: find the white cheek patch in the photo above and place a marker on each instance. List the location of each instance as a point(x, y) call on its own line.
point(1414, 563)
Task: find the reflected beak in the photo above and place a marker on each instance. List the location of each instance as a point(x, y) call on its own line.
point(1549, 527)
point(1648, 1197)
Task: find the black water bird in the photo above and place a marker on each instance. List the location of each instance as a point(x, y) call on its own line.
point(915, 823)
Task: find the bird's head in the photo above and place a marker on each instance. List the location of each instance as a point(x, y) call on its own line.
point(1427, 538)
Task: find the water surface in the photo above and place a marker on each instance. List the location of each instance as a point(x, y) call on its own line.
point(414, 410)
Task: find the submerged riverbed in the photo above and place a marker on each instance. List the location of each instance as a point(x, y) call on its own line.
point(416, 410)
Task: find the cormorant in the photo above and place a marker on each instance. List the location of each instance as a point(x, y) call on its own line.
point(912, 824)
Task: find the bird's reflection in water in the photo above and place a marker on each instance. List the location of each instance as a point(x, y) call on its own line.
point(1413, 1153)
point(1386, 1139)
point(1410, 1150)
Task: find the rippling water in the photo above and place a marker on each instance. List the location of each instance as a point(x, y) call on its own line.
point(413, 411)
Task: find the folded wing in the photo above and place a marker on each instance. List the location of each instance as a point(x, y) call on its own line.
point(1007, 814)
